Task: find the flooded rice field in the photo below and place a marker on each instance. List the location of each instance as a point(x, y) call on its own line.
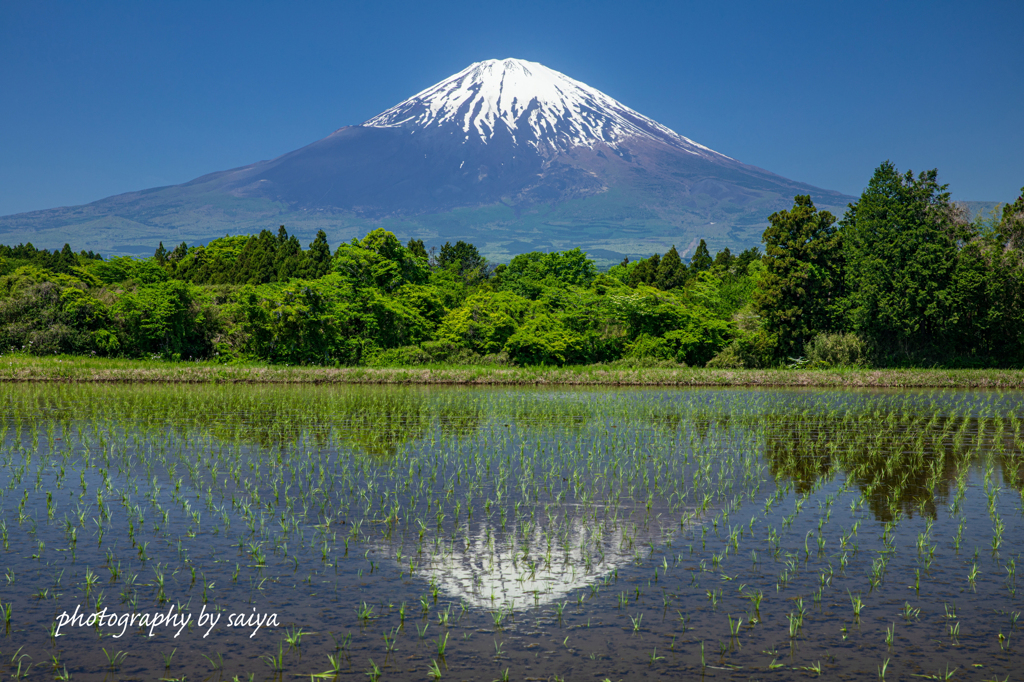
point(254, 533)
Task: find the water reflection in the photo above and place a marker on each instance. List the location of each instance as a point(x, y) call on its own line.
point(491, 570)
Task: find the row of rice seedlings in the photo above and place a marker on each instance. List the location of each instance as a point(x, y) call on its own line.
point(613, 477)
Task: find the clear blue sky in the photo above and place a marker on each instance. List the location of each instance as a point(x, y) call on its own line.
point(100, 98)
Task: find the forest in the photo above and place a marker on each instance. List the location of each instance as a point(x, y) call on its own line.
point(905, 278)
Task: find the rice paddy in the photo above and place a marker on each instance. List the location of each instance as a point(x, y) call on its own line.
point(459, 533)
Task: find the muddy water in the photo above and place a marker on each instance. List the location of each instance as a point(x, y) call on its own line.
point(533, 534)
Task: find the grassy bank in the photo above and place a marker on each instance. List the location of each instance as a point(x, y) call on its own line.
point(21, 368)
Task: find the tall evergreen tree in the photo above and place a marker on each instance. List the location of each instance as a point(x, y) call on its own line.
point(258, 260)
point(67, 259)
point(645, 272)
point(724, 259)
point(671, 273)
point(802, 281)
point(701, 259)
point(317, 261)
point(746, 257)
point(901, 246)
point(288, 259)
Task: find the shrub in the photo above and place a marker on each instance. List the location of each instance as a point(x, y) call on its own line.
point(836, 350)
point(543, 340)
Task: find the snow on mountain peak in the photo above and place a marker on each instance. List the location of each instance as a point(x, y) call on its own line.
point(535, 105)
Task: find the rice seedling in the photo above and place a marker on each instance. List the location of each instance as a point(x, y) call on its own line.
point(216, 661)
point(293, 637)
point(114, 659)
point(275, 662)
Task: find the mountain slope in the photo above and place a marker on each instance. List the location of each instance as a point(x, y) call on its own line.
point(507, 154)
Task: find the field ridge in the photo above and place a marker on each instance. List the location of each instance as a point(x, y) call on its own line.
point(99, 370)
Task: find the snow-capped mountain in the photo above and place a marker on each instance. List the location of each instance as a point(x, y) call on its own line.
point(507, 154)
point(533, 105)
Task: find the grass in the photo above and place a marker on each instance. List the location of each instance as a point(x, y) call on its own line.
point(18, 367)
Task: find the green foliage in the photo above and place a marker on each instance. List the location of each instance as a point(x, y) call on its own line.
point(701, 259)
point(528, 274)
point(901, 242)
point(317, 260)
point(671, 273)
point(543, 340)
point(215, 263)
point(418, 249)
point(484, 323)
point(464, 258)
point(904, 277)
point(44, 313)
point(61, 261)
point(125, 269)
point(379, 260)
point(802, 280)
point(687, 328)
point(1011, 226)
point(171, 319)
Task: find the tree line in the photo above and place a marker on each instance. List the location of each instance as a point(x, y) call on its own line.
point(906, 277)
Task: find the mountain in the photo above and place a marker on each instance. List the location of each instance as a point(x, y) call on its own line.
point(507, 154)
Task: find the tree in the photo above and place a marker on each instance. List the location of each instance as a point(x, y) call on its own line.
point(257, 264)
point(901, 241)
point(317, 261)
point(180, 251)
point(529, 273)
point(724, 259)
point(671, 272)
point(288, 260)
point(66, 260)
point(417, 248)
point(645, 272)
point(746, 258)
point(1011, 226)
point(464, 257)
point(803, 275)
point(701, 259)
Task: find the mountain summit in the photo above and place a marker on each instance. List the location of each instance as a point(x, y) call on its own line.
point(507, 154)
point(526, 104)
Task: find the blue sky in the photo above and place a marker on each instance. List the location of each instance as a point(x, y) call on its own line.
point(101, 98)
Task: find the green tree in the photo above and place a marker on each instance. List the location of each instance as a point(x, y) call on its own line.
point(701, 259)
point(901, 241)
point(417, 248)
point(671, 272)
point(317, 262)
point(257, 263)
point(160, 254)
point(724, 259)
point(802, 278)
point(645, 272)
point(528, 274)
point(1011, 226)
point(464, 257)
